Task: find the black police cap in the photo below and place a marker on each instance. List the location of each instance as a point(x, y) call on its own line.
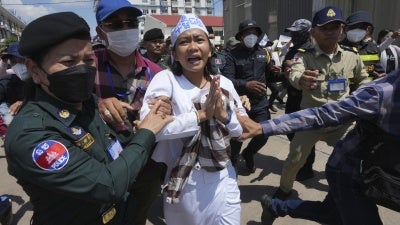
point(359, 17)
point(153, 34)
point(246, 25)
point(52, 29)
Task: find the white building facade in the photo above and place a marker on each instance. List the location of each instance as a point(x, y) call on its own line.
point(10, 25)
point(175, 7)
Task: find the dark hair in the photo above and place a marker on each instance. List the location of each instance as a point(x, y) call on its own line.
point(382, 34)
point(176, 67)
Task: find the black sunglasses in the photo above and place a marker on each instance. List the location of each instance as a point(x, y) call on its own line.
point(119, 24)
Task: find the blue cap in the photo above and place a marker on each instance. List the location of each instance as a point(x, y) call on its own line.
point(12, 50)
point(107, 7)
point(359, 17)
point(327, 15)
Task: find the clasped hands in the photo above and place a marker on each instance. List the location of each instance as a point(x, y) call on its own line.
point(214, 105)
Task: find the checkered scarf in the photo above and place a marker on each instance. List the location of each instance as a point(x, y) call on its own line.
point(209, 149)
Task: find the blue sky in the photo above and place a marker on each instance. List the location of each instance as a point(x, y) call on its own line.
point(29, 10)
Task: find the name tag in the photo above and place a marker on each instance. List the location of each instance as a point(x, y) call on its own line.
point(109, 215)
point(337, 85)
point(114, 149)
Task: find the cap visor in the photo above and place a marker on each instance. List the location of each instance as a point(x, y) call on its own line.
point(292, 29)
point(135, 11)
point(330, 21)
point(350, 24)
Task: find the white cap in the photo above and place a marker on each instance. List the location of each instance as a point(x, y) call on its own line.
point(186, 22)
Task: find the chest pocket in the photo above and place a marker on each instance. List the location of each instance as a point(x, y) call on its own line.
point(244, 67)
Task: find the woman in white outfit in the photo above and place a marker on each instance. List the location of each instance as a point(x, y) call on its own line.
point(202, 187)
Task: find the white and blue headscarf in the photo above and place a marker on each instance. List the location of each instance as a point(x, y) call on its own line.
point(186, 22)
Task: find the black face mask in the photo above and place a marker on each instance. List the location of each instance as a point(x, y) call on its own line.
point(74, 84)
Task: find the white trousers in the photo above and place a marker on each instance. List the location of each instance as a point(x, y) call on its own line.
point(208, 198)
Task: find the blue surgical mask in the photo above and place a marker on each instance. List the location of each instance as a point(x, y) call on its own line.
point(21, 71)
point(250, 40)
point(123, 42)
point(356, 35)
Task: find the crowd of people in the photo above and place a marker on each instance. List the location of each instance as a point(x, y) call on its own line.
point(98, 130)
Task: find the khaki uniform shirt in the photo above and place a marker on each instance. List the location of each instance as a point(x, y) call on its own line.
point(344, 64)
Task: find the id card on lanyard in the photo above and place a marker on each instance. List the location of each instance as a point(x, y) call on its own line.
point(337, 85)
point(114, 149)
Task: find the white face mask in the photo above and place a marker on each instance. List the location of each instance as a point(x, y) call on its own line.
point(123, 42)
point(250, 40)
point(356, 35)
point(21, 71)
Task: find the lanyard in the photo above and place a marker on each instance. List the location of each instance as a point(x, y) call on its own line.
point(147, 78)
point(121, 95)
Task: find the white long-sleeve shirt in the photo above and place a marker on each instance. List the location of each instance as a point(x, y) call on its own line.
point(182, 94)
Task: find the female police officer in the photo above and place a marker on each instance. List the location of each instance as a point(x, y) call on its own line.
point(75, 169)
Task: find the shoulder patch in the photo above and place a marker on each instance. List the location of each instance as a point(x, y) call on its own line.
point(50, 155)
point(296, 58)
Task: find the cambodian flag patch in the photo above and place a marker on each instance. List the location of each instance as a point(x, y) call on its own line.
point(50, 155)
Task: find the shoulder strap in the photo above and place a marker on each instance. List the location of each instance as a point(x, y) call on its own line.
point(348, 48)
point(268, 58)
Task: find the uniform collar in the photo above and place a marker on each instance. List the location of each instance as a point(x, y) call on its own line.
point(319, 52)
point(59, 110)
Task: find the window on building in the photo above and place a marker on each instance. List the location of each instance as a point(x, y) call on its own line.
point(153, 11)
point(188, 10)
point(218, 33)
point(164, 10)
point(209, 11)
point(188, 2)
point(197, 11)
point(164, 3)
point(145, 1)
point(174, 10)
point(145, 11)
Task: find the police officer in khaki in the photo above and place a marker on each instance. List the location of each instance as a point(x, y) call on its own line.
point(322, 73)
point(74, 167)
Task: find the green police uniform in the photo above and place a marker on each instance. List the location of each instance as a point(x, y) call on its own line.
point(218, 62)
point(63, 159)
point(334, 74)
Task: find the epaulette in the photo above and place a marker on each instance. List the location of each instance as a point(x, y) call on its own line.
point(302, 50)
point(348, 48)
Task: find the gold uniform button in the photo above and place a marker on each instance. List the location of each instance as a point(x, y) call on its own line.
point(64, 113)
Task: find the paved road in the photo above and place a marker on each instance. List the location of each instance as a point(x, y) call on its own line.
point(266, 178)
